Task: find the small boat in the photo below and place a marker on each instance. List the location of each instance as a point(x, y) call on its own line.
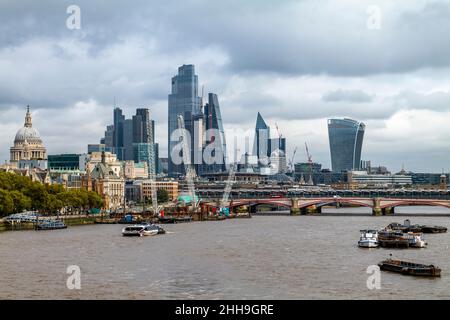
point(183, 219)
point(139, 230)
point(51, 225)
point(166, 220)
point(415, 240)
point(129, 218)
point(410, 268)
point(368, 239)
point(434, 229)
point(105, 221)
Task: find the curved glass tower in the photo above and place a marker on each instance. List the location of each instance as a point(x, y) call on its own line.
point(346, 139)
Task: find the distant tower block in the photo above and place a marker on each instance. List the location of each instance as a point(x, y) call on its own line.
point(443, 182)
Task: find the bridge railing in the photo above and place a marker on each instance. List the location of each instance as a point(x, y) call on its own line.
point(255, 194)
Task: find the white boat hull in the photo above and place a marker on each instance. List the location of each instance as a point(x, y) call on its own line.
point(368, 244)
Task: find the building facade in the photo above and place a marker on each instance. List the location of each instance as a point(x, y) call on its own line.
point(170, 186)
point(346, 139)
point(107, 183)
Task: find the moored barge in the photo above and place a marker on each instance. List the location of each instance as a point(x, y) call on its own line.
point(410, 268)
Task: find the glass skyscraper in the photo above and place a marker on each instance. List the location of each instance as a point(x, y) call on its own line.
point(216, 135)
point(261, 144)
point(146, 152)
point(346, 139)
point(183, 100)
point(133, 139)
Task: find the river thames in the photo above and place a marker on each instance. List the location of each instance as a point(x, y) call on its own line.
point(266, 257)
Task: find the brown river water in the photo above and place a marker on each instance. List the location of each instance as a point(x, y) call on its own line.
point(266, 257)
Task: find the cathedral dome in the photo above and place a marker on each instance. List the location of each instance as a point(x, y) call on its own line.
point(28, 133)
point(31, 135)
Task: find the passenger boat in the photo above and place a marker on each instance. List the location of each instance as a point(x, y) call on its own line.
point(368, 239)
point(50, 225)
point(410, 268)
point(139, 230)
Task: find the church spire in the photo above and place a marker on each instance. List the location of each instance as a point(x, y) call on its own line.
point(28, 123)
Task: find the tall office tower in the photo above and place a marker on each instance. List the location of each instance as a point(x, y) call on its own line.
point(261, 144)
point(119, 119)
point(133, 139)
point(346, 139)
point(278, 159)
point(215, 134)
point(183, 100)
point(143, 126)
point(108, 140)
point(127, 149)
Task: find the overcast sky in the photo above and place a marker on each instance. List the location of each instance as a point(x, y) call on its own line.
point(296, 62)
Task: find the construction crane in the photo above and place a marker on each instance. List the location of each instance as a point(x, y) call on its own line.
point(278, 131)
point(310, 162)
point(229, 185)
point(291, 161)
point(190, 171)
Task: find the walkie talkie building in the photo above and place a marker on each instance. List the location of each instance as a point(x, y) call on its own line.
point(346, 139)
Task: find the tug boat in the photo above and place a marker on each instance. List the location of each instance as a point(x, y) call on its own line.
point(368, 239)
point(410, 268)
point(140, 230)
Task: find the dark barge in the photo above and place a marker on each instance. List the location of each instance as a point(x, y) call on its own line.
point(408, 227)
point(410, 268)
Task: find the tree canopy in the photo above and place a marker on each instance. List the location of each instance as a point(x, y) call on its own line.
point(18, 193)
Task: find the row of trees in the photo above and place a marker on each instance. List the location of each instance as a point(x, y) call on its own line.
point(18, 193)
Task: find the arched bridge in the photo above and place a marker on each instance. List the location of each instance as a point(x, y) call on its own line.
point(304, 205)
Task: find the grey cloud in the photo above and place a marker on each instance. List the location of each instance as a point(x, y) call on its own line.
point(352, 96)
point(287, 37)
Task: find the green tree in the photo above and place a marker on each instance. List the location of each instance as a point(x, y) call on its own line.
point(94, 200)
point(6, 203)
point(21, 201)
point(162, 195)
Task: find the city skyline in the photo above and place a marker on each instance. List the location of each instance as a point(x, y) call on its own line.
point(401, 97)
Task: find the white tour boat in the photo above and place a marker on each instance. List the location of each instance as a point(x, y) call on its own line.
point(139, 230)
point(368, 239)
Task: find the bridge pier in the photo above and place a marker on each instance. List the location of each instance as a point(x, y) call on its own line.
point(295, 210)
point(376, 209)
